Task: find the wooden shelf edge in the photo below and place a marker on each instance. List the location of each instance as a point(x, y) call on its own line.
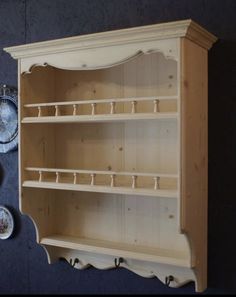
point(101, 189)
point(117, 250)
point(101, 118)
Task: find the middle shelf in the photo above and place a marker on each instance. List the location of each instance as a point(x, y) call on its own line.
point(130, 183)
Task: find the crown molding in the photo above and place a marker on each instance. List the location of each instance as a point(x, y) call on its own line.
point(184, 28)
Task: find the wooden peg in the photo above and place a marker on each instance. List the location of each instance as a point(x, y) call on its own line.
point(75, 178)
point(39, 111)
point(134, 103)
point(93, 108)
point(57, 111)
point(134, 181)
point(113, 180)
point(40, 176)
point(113, 107)
point(57, 177)
point(156, 105)
point(74, 109)
point(157, 183)
point(93, 179)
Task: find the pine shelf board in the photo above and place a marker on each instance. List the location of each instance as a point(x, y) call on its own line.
point(101, 189)
point(101, 118)
point(115, 249)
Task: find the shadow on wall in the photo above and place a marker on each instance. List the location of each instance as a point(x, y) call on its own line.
point(222, 165)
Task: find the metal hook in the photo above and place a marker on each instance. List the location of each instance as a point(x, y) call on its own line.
point(118, 262)
point(169, 279)
point(76, 261)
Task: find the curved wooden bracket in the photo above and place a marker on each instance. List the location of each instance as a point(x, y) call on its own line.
point(100, 58)
point(171, 276)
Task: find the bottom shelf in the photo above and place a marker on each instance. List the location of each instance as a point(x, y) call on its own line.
point(130, 251)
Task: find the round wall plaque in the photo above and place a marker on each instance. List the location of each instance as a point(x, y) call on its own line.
point(8, 119)
point(6, 223)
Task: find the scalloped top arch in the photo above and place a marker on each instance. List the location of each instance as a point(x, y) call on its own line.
point(106, 49)
point(102, 57)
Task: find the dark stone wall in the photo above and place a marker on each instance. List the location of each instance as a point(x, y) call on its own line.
point(23, 263)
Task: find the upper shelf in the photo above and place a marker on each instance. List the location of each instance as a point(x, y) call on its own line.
point(101, 110)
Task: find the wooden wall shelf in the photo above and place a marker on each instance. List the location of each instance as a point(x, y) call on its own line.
point(113, 149)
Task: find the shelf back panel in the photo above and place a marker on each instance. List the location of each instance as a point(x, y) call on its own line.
point(147, 146)
point(145, 76)
point(135, 220)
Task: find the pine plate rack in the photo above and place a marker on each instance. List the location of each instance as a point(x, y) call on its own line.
point(113, 149)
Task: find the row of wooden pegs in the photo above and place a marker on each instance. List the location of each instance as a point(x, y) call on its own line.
point(112, 182)
point(94, 111)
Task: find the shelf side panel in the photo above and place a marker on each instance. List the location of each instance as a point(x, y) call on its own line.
point(39, 205)
point(194, 155)
point(39, 152)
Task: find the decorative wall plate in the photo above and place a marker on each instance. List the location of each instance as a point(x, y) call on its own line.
point(6, 223)
point(8, 119)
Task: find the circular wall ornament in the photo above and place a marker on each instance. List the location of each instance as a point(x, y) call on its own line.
point(8, 119)
point(6, 223)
